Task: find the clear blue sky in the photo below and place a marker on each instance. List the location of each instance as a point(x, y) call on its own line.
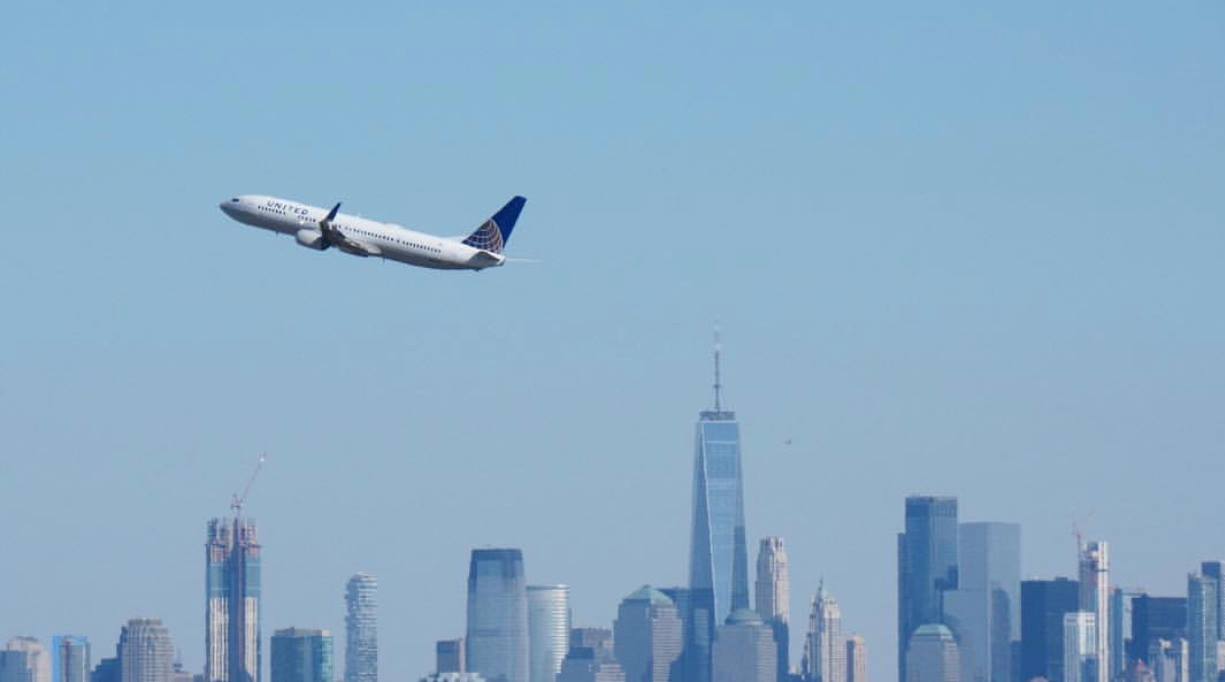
point(957, 248)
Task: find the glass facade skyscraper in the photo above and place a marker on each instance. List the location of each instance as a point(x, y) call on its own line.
point(146, 652)
point(984, 611)
point(232, 602)
point(302, 655)
point(548, 622)
point(1156, 618)
point(1043, 605)
point(927, 566)
point(1202, 604)
point(497, 640)
point(70, 658)
point(361, 629)
point(718, 550)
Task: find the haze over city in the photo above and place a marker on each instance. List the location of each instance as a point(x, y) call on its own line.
point(954, 250)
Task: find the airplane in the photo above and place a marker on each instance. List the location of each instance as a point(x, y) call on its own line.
point(320, 229)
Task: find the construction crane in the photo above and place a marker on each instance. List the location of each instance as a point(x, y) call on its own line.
point(240, 499)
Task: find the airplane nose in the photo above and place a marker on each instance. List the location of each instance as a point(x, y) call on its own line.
point(228, 207)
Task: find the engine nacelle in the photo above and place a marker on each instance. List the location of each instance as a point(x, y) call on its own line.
point(312, 239)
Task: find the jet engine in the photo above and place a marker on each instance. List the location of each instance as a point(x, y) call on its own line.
point(312, 239)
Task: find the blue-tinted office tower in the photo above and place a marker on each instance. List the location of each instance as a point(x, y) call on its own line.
point(1203, 601)
point(232, 601)
point(302, 655)
point(1043, 605)
point(718, 550)
point(985, 610)
point(1154, 618)
point(70, 658)
point(497, 639)
point(927, 566)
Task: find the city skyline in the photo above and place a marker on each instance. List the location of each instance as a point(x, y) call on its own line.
point(955, 250)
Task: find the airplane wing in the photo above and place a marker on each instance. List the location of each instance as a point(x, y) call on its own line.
point(336, 238)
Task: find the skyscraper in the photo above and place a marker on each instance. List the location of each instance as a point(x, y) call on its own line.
point(1156, 618)
point(107, 670)
point(449, 656)
point(1095, 599)
point(28, 654)
point(744, 650)
point(927, 567)
point(232, 607)
point(1081, 662)
point(647, 637)
point(1202, 627)
point(856, 659)
point(718, 551)
point(583, 664)
point(1215, 571)
point(824, 647)
point(599, 640)
point(497, 639)
point(146, 652)
point(548, 622)
point(302, 655)
point(361, 629)
point(932, 655)
point(24, 659)
point(696, 609)
point(1043, 605)
point(774, 597)
point(1170, 660)
point(984, 611)
point(70, 658)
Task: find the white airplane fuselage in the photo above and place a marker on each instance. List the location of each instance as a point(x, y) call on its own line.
point(358, 236)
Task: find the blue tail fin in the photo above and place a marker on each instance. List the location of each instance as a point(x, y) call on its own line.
point(493, 234)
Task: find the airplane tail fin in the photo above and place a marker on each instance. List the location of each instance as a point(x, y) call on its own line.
point(493, 234)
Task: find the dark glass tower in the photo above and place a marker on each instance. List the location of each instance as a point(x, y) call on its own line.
point(232, 602)
point(1154, 618)
point(984, 612)
point(302, 655)
point(497, 638)
point(718, 550)
point(1043, 605)
point(927, 566)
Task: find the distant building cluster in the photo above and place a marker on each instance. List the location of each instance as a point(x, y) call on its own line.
point(964, 614)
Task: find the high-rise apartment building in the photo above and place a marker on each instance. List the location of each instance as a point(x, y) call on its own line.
point(548, 623)
point(647, 637)
point(449, 656)
point(497, 637)
point(1043, 606)
point(932, 655)
point(984, 612)
point(70, 658)
point(1202, 627)
point(856, 659)
point(718, 555)
point(1095, 598)
point(27, 660)
point(361, 629)
point(744, 650)
point(927, 567)
point(302, 655)
point(232, 607)
point(774, 597)
point(1081, 661)
point(825, 647)
point(146, 652)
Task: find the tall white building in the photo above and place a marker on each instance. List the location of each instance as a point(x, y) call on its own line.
point(825, 647)
point(361, 629)
point(1095, 599)
point(146, 653)
point(548, 626)
point(856, 659)
point(32, 656)
point(774, 597)
point(1080, 647)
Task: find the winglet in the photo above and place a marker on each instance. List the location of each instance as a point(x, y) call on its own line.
point(332, 213)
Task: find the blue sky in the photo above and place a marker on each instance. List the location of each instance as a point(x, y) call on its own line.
point(958, 248)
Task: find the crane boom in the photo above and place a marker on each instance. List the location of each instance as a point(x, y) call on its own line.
point(239, 500)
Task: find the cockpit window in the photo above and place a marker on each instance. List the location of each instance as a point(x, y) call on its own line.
point(234, 200)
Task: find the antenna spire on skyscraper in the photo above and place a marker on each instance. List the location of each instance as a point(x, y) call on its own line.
point(718, 384)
